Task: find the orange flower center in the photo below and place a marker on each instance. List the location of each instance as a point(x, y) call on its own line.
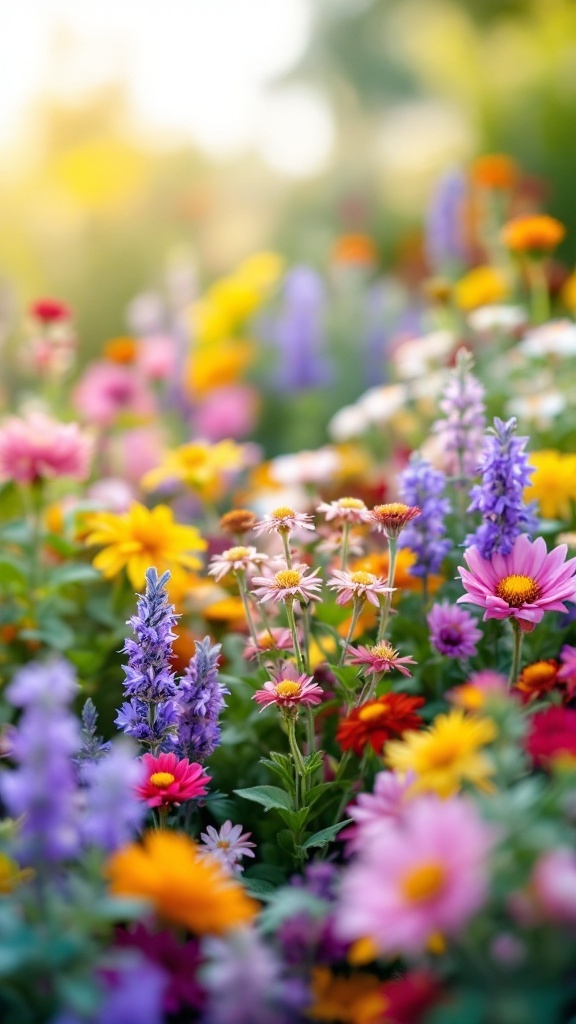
point(539, 675)
point(443, 755)
point(288, 688)
point(423, 882)
point(287, 578)
point(517, 590)
point(383, 650)
point(351, 503)
point(162, 779)
point(234, 554)
point(395, 508)
point(265, 641)
point(372, 713)
point(283, 512)
point(364, 578)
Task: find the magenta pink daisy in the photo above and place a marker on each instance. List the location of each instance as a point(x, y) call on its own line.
point(521, 585)
point(236, 559)
point(289, 691)
point(288, 584)
point(169, 781)
point(381, 657)
point(361, 586)
point(37, 447)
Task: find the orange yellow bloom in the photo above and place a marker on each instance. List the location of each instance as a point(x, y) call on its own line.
point(200, 466)
point(533, 233)
point(357, 999)
point(358, 249)
point(142, 537)
point(495, 170)
point(121, 350)
point(185, 887)
point(216, 366)
point(553, 485)
point(482, 286)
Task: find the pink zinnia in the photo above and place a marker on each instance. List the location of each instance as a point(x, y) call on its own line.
point(170, 781)
point(288, 584)
point(107, 390)
point(36, 447)
point(288, 691)
point(453, 631)
point(381, 657)
point(277, 638)
point(387, 801)
point(523, 584)
point(49, 311)
point(362, 586)
point(236, 559)
point(426, 874)
point(284, 520)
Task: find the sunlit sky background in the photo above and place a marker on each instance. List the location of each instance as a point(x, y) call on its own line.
point(196, 70)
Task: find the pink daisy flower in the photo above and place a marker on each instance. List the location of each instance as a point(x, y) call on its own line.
point(107, 390)
point(381, 657)
point(360, 586)
point(284, 520)
point(277, 638)
point(288, 584)
point(170, 781)
point(236, 559)
point(424, 874)
point(37, 447)
point(553, 885)
point(289, 691)
point(453, 631)
point(228, 845)
point(386, 802)
point(567, 670)
point(345, 510)
point(521, 585)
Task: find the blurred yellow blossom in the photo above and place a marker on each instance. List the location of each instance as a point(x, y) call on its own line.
point(217, 365)
point(482, 286)
point(553, 484)
point(201, 466)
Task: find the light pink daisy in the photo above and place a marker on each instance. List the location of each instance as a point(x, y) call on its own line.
point(521, 585)
point(107, 390)
point(289, 690)
point(424, 874)
point(236, 559)
point(228, 845)
point(288, 585)
point(345, 510)
point(361, 586)
point(37, 447)
point(381, 657)
point(277, 638)
point(387, 801)
point(284, 520)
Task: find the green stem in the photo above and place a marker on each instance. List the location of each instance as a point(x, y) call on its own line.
point(36, 507)
point(539, 290)
point(358, 605)
point(299, 766)
point(294, 631)
point(392, 550)
point(345, 538)
point(515, 667)
point(286, 543)
point(241, 578)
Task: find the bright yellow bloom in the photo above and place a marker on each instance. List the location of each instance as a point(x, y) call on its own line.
point(200, 466)
point(12, 875)
point(140, 538)
point(482, 286)
point(216, 366)
point(553, 485)
point(445, 755)
point(568, 292)
point(357, 999)
point(185, 886)
point(533, 233)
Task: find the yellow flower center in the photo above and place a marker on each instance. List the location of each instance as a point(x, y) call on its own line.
point(162, 779)
point(365, 578)
point(373, 712)
point(233, 554)
point(287, 578)
point(423, 882)
point(283, 512)
point(223, 844)
point(383, 650)
point(444, 753)
point(518, 590)
point(265, 641)
point(287, 688)
point(541, 673)
point(395, 508)
point(351, 503)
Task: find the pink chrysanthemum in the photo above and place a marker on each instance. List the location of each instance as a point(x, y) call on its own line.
point(453, 631)
point(36, 447)
point(284, 520)
point(236, 559)
point(521, 585)
point(277, 638)
point(290, 584)
point(426, 874)
point(170, 781)
point(381, 657)
point(108, 390)
point(345, 510)
point(289, 691)
point(361, 586)
point(387, 801)
point(228, 845)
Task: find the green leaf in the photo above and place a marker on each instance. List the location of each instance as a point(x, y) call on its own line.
point(325, 835)
point(12, 573)
point(52, 632)
point(314, 761)
point(259, 888)
point(268, 796)
point(280, 764)
point(73, 573)
point(294, 819)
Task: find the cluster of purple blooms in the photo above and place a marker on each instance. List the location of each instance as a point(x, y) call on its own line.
point(499, 497)
point(445, 241)
point(424, 486)
point(461, 430)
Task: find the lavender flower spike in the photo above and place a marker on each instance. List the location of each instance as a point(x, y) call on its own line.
point(113, 812)
point(93, 748)
point(461, 431)
point(422, 485)
point(500, 497)
point(201, 699)
point(150, 714)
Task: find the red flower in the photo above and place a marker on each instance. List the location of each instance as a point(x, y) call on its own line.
point(553, 735)
point(378, 721)
point(170, 781)
point(410, 997)
point(49, 311)
point(538, 678)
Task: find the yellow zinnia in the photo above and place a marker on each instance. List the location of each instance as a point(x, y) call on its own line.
point(482, 286)
point(445, 755)
point(185, 886)
point(553, 485)
point(140, 538)
point(200, 466)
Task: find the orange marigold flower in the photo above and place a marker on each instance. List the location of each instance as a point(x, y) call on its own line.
point(355, 249)
point(533, 233)
point(495, 170)
point(538, 678)
point(356, 999)
point(482, 286)
point(392, 517)
point(378, 721)
point(186, 887)
point(121, 350)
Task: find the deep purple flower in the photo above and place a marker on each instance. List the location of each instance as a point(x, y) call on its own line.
point(423, 486)
point(500, 497)
point(178, 959)
point(200, 702)
point(299, 332)
point(461, 431)
point(112, 812)
point(453, 631)
point(445, 241)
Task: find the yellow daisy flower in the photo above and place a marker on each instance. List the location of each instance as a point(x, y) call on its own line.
point(140, 538)
point(185, 886)
point(553, 485)
point(445, 755)
point(200, 466)
point(482, 286)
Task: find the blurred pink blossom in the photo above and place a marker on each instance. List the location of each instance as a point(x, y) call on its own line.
point(227, 412)
point(37, 447)
point(157, 356)
point(107, 390)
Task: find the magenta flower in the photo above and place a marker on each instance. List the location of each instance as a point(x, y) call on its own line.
point(170, 781)
point(277, 638)
point(386, 802)
point(567, 670)
point(345, 510)
point(522, 584)
point(236, 559)
point(288, 585)
point(424, 874)
point(284, 520)
point(228, 845)
point(360, 586)
point(381, 657)
point(107, 390)
point(37, 447)
point(453, 631)
point(553, 885)
point(288, 691)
